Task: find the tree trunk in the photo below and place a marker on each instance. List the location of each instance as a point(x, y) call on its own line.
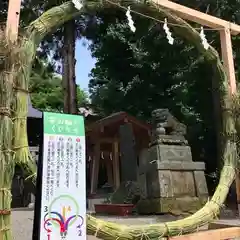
point(69, 82)
point(65, 72)
point(71, 62)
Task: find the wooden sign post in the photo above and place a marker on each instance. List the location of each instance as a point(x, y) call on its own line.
point(60, 207)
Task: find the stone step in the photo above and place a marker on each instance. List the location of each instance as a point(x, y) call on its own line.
point(224, 223)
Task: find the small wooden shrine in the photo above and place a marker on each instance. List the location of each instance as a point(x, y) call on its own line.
point(105, 149)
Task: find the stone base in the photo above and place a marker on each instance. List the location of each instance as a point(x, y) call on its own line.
point(224, 224)
point(170, 205)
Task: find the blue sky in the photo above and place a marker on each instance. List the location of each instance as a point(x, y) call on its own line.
point(84, 64)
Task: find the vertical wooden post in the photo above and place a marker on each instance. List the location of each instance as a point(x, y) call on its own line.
point(91, 159)
point(95, 167)
point(237, 181)
point(13, 16)
point(109, 167)
point(116, 170)
point(227, 57)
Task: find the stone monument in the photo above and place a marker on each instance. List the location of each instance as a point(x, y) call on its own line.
point(171, 180)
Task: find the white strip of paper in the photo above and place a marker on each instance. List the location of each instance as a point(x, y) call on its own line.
point(204, 40)
point(77, 4)
point(168, 33)
point(130, 21)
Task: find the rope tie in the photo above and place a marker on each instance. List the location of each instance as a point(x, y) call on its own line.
point(4, 229)
point(226, 109)
point(232, 137)
point(215, 215)
point(18, 89)
point(166, 229)
point(19, 147)
point(46, 29)
point(144, 234)
point(16, 118)
point(219, 204)
point(230, 166)
point(31, 176)
point(5, 111)
point(181, 232)
point(161, 235)
point(5, 212)
point(98, 228)
point(122, 230)
point(6, 190)
point(7, 151)
point(209, 210)
point(224, 185)
point(7, 72)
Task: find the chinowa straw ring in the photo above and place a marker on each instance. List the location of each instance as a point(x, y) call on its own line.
point(18, 57)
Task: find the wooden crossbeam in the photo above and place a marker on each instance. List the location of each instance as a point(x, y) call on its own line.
point(218, 234)
point(198, 17)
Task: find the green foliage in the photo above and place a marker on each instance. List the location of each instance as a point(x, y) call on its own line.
point(46, 89)
point(140, 72)
point(3, 10)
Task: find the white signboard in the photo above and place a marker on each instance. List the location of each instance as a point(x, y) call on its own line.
point(63, 201)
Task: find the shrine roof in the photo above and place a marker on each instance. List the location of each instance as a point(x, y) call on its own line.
point(117, 119)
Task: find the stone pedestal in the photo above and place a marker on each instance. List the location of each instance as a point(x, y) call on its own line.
point(171, 180)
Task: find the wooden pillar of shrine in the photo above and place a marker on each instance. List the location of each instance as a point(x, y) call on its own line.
point(109, 167)
point(116, 169)
point(95, 167)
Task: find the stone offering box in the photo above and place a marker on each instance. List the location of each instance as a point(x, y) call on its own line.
point(172, 182)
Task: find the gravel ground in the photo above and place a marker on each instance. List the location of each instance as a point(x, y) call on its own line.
point(22, 220)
